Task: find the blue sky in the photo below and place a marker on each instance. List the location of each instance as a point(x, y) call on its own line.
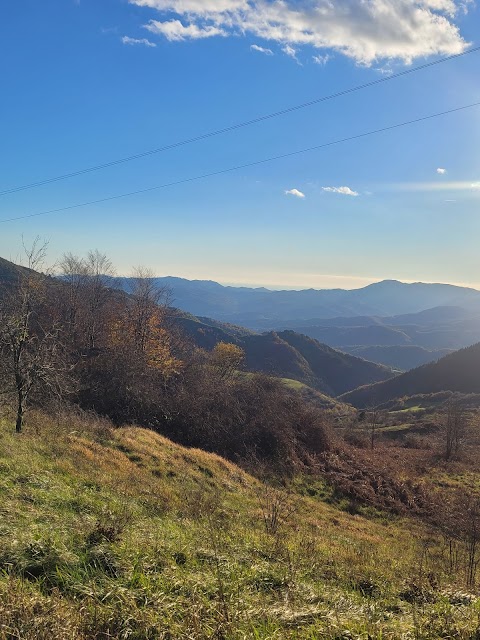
point(85, 82)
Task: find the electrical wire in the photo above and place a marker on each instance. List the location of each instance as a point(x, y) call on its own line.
point(243, 166)
point(237, 126)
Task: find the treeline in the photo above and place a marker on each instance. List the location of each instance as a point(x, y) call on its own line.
point(75, 339)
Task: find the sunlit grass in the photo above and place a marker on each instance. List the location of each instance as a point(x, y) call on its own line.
point(123, 534)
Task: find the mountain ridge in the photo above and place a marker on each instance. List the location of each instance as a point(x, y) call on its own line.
point(270, 353)
point(457, 372)
point(254, 307)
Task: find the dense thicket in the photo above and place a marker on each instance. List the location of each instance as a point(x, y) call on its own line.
point(123, 357)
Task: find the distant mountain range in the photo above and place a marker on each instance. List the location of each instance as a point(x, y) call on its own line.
point(285, 354)
point(429, 336)
point(257, 308)
point(391, 323)
point(292, 354)
point(459, 371)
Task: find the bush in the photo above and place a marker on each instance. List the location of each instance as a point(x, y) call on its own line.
point(255, 417)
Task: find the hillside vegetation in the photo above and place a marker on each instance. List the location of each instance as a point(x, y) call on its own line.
point(120, 519)
point(289, 354)
point(119, 533)
point(423, 335)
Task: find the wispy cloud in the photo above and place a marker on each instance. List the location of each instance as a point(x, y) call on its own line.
point(291, 52)
point(460, 185)
point(138, 41)
point(174, 30)
point(267, 52)
point(344, 191)
point(295, 192)
point(441, 171)
point(321, 60)
point(367, 32)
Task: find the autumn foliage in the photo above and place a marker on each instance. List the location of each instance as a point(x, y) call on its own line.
point(128, 360)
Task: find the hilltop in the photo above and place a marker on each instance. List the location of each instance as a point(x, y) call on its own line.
point(10, 272)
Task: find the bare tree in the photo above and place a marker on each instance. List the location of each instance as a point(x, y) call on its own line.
point(454, 426)
point(30, 337)
point(147, 307)
point(99, 270)
point(373, 417)
point(73, 272)
point(85, 297)
point(459, 519)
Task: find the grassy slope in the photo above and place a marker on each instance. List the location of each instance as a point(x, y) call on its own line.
point(123, 534)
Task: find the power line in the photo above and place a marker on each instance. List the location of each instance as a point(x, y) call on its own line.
point(234, 127)
point(244, 166)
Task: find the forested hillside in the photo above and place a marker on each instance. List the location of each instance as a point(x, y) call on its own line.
point(458, 371)
point(425, 316)
point(124, 356)
point(288, 354)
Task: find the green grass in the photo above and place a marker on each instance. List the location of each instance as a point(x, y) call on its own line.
point(416, 409)
point(396, 428)
point(123, 534)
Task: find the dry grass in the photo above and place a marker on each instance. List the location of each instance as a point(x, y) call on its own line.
point(123, 534)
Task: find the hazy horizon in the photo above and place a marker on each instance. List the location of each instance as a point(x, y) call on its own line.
point(139, 75)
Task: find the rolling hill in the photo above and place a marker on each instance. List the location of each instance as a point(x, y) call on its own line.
point(404, 357)
point(10, 272)
point(433, 318)
point(121, 533)
point(284, 355)
point(288, 354)
point(458, 371)
point(402, 342)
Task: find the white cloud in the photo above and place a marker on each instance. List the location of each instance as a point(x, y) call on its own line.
point(267, 52)
point(134, 41)
point(195, 7)
point(295, 192)
point(322, 60)
point(441, 171)
point(366, 31)
point(174, 30)
point(344, 191)
point(290, 52)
